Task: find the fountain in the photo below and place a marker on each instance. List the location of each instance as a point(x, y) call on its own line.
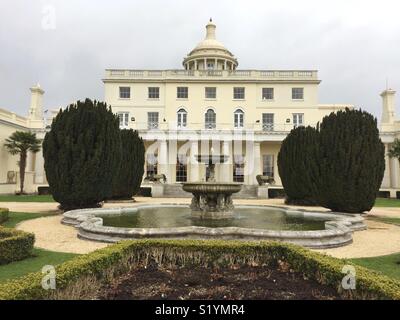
point(210, 216)
point(211, 199)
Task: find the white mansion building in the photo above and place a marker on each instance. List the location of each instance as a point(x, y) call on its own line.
point(207, 105)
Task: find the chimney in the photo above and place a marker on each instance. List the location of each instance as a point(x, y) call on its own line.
point(388, 106)
point(36, 108)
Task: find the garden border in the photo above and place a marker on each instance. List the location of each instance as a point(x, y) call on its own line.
point(15, 245)
point(81, 277)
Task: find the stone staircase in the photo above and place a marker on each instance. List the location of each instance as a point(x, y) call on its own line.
point(175, 191)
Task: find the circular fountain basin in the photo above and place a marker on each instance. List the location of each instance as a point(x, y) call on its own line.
point(309, 229)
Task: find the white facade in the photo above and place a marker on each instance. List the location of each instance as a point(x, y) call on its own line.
point(209, 103)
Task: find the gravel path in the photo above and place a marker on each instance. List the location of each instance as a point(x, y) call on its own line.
point(379, 239)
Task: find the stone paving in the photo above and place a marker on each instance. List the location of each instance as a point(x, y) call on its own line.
point(379, 239)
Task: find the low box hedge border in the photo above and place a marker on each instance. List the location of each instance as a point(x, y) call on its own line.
point(3, 215)
point(81, 277)
point(15, 245)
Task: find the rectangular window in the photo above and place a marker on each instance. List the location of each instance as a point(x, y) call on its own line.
point(238, 93)
point(154, 93)
point(182, 92)
point(298, 120)
point(210, 66)
point(124, 92)
point(268, 121)
point(297, 93)
point(238, 168)
point(211, 92)
point(123, 119)
point(267, 93)
point(152, 120)
point(268, 165)
point(181, 168)
point(151, 165)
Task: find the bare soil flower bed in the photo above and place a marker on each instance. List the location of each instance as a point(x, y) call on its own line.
point(244, 282)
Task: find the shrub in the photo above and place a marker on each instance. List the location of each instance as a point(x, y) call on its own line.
point(351, 161)
point(81, 277)
point(297, 165)
point(82, 153)
point(15, 245)
point(127, 182)
point(3, 215)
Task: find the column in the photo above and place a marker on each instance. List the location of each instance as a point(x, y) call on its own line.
point(195, 64)
point(172, 158)
point(225, 67)
point(216, 64)
point(394, 172)
point(39, 168)
point(205, 64)
point(225, 173)
point(257, 161)
point(193, 164)
point(386, 177)
point(163, 158)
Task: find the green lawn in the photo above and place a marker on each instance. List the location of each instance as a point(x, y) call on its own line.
point(26, 198)
point(387, 265)
point(41, 258)
point(17, 217)
point(389, 220)
point(383, 202)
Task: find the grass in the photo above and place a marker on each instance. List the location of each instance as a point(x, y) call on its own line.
point(390, 220)
point(26, 198)
point(384, 202)
point(39, 259)
point(387, 265)
point(16, 217)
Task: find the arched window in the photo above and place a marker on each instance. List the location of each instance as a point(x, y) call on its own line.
point(182, 118)
point(238, 118)
point(210, 119)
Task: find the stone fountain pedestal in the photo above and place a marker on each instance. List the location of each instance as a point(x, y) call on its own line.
point(211, 199)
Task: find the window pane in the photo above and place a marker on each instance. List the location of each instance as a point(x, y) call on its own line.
point(238, 168)
point(154, 92)
point(268, 165)
point(123, 119)
point(182, 116)
point(238, 93)
point(268, 121)
point(182, 92)
point(211, 92)
point(124, 92)
point(152, 120)
point(298, 119)
point(210, 119)
point(181, 168)
point(151, 164)
point(297, 93)
point(267, 93)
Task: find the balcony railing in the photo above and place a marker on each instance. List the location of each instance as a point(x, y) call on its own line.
point(300, 75)
point(269, 128)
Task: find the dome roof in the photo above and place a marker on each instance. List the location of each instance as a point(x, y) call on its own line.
point(210, 47)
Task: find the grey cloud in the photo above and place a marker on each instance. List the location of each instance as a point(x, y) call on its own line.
point(354, 44)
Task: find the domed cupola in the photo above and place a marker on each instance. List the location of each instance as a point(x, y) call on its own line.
point(210, 54)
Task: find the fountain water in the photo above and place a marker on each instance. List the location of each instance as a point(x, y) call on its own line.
point(211, 199)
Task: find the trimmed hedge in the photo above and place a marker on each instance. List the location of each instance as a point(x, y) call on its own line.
point(15, 245)
point(81, 277)
point(3, 215)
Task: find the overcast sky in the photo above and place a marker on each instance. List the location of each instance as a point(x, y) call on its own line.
point(355, 44)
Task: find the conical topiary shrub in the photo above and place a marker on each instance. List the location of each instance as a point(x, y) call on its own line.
point(297, 165)
point(351, 161)
point(127, 182)
point(82, 152)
